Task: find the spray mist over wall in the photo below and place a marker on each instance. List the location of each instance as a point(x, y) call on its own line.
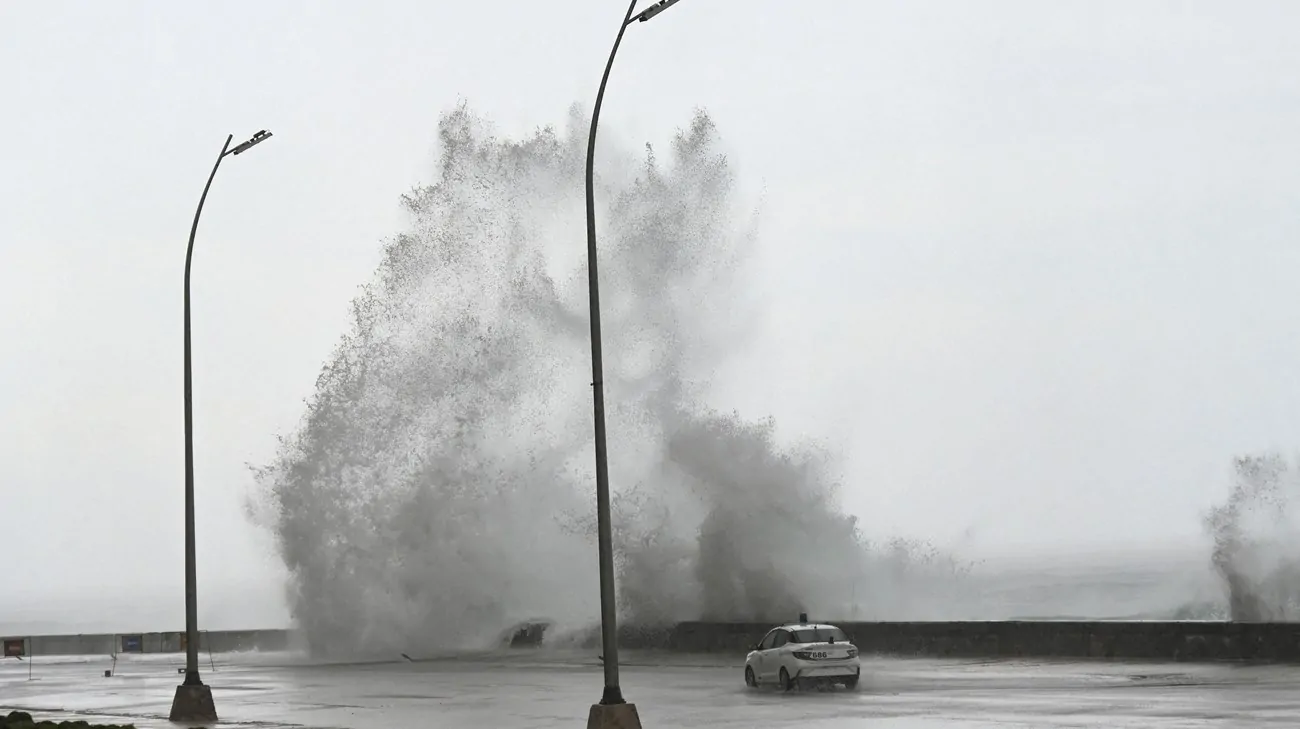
point(441, 484)
point(1256, 536)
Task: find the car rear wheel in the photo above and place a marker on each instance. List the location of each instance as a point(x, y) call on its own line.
point(750, 680)
point(851, 683)
point(787, 683)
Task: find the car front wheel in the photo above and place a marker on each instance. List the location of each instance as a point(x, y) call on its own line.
point(750, 680)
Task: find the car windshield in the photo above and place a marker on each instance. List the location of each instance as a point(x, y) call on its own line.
point(818, 635)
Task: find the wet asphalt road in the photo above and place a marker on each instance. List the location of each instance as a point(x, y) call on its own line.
point(545, 689)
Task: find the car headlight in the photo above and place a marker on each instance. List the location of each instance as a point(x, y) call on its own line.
point(853, 653)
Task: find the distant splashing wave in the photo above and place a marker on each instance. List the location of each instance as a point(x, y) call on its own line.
point(1256, 534)
point(440, 485)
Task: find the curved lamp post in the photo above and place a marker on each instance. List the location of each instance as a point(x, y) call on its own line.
point(193, 701)
point(613, 695)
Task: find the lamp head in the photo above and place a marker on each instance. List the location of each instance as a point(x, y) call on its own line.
point(253, 141)
point(653, 10)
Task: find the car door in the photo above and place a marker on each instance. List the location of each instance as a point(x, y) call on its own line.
point(762, 657)
point(775, 655)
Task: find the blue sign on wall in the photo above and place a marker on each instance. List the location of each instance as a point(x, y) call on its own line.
point(133, 644)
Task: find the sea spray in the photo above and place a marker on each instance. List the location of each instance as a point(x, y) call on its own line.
point(440, 485)
point(1256, 534)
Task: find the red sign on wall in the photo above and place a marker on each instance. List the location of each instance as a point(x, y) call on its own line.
point(15, 647)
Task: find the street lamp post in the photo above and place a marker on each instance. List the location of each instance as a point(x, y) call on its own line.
point(193, 701)
point(612, 709)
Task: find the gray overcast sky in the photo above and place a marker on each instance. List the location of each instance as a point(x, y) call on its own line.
point(1029, 266)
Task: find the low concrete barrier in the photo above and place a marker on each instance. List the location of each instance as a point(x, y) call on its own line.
point(214, 641)
point(1144, 640)
point(229, 641)
point(1153, 640)
point(72, 645)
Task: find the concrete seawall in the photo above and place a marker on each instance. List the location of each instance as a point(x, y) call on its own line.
point(1154, 640)
point(1160, 641)
point(214, 641)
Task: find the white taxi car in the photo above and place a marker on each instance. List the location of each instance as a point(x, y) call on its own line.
point(803, 653)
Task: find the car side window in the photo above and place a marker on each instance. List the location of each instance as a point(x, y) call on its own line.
point(781, 638)
point(768, 640)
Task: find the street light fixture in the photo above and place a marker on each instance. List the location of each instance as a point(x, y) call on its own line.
point(612, 709)
point(193, 701)
point(654, 10)
point(256, 139)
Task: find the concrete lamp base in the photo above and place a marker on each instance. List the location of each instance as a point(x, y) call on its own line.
point(613, 716)
point(193, 704)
